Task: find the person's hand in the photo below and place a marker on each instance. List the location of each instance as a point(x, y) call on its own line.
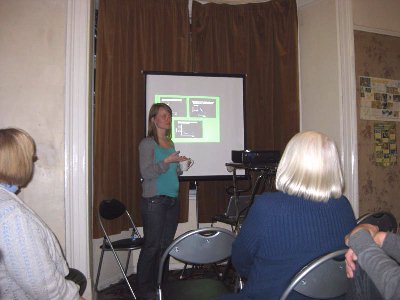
point(380, 237)
point(351, 257)
point(174, 157)
point(372, 229)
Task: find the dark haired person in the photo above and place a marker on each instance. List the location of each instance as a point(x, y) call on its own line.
point(159, 169)
point(307, 218)
point(32, 265)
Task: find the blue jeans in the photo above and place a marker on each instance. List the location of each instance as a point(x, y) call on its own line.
point(160, 220)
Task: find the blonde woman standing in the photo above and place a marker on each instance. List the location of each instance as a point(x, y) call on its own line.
point(159, 168)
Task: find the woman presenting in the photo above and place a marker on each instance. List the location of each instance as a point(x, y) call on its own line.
point(159, 169)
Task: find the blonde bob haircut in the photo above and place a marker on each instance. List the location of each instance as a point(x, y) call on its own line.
point(152, 129)
point(310, 168)
point(17, 150)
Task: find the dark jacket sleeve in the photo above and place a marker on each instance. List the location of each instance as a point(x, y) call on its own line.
point(391, 246)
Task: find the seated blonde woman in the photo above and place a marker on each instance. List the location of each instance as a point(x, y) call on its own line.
point(306, 218)
point(32, 265)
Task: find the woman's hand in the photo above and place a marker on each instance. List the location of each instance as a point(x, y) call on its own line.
point(351, 257)
point(380, 237)
point(174, 157)
point(372, 229)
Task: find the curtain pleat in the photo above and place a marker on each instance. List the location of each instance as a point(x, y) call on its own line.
point(132, 36)
point(260, 41)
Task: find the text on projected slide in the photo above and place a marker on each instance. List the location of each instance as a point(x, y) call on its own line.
point(195, 119)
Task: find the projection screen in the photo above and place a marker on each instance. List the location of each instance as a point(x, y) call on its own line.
point(207, 117)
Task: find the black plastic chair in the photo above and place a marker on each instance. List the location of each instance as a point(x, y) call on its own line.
point(197, 247)
point(77, 277)
point(323, 278)
point(386, 221)
point(111, 210)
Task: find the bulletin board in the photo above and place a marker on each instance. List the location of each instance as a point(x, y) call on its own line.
point(379, 99)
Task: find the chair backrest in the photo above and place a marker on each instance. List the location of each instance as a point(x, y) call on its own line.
point(201, 246)
point(323, 278)
point(111, 209)
point(386, 221)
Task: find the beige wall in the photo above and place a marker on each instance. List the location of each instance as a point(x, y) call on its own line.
point(319, 70)
point(377, 14)
point(319, 61)
point(32, 79)
point(377, 43)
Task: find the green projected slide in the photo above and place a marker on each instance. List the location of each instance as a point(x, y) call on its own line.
point(195, 119)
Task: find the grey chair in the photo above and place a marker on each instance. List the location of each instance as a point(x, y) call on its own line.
point(197, 247)
point(386, 221)
point(113, 210)
point(323, 278)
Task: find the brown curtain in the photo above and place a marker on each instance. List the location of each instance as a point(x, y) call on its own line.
point(259, 40)
point(132, 36)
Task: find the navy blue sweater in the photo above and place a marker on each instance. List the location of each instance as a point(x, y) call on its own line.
point(280, 235)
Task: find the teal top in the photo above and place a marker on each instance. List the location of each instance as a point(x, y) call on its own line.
point(158, 177)
point(166, 183)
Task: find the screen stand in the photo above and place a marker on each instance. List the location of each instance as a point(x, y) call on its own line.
point(196, 184)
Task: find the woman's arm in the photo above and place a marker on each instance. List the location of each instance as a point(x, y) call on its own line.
point(390, 244)
point(383, 270)
point(148, 167)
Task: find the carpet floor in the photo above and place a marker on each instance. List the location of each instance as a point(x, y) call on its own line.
point(120, 291)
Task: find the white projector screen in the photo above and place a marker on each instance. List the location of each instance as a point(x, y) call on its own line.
point(207, 117)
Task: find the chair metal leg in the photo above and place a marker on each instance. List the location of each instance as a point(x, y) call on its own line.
point(183, 271)
point(122, 271)
point(127, 262)
point(228, 267)
point(99, 269)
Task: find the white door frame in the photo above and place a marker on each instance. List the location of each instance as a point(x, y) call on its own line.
point(77, 137)
point(347, 92)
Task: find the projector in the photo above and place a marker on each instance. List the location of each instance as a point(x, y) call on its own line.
point(256, 157)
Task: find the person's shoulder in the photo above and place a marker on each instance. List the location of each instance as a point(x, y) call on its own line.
point(269, 199)
point(272, 196)
point(146, 142)
point(341, 201)
point(10, 208)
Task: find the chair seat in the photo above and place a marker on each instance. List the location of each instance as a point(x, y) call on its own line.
point(194, 289)
point(125, 244)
